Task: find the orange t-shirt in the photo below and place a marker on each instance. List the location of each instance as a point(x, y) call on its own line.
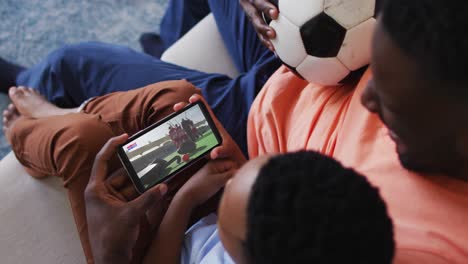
point(430, 213)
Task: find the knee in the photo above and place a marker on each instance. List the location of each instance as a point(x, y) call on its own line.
point(182, 92)
point(76, 145)
point(71, 54)
point(172, 92)
point(162, 97)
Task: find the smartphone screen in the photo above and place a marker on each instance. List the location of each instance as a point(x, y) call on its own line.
point(167, 147)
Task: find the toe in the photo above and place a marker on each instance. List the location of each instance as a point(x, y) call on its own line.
point(22, 89)
point(6, 113)
point(13, 109)
point(34, 91)
point(12, 91)
point(15, 114)
point(16, 92)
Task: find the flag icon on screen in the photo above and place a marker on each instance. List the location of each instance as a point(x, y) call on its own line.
point(131, 146)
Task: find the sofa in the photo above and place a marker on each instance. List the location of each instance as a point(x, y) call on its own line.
point(37, 225)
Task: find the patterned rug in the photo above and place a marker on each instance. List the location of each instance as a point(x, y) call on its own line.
point(30, 29)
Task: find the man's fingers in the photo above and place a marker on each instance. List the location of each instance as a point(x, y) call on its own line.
point(118, 179)
point(146, 200)
point(267, 7)
point(129, 192)
point(266, 42)
point(122, 184)
point(99, 172)
point(253, 13)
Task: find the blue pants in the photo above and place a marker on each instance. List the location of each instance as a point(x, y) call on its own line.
point(72, 74)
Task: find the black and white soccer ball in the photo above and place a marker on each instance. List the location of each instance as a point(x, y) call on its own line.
point(324, 41)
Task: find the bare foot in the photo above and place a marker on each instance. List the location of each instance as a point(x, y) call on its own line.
point(30, 103)
point(10, 115)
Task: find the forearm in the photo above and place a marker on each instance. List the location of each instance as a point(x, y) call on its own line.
point(167, 245)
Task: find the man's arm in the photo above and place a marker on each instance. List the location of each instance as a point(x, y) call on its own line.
point(113, 224)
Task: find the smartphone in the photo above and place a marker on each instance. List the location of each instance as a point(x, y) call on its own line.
point(164, 149)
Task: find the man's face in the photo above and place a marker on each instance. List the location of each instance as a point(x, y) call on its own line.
point(423, 125)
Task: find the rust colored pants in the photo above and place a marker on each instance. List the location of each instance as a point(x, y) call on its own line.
point(65, 146)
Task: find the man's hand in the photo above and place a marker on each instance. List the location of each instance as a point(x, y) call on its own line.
point(113, 224)
point(254, 9)
point(229, 149)
point(206, 182)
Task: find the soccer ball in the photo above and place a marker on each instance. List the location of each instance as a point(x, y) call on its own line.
point(323, 41)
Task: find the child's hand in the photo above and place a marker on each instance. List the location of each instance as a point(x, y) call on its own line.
point(206, 182)
point(229, 149)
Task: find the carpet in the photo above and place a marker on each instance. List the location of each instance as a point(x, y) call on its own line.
point(31, 29)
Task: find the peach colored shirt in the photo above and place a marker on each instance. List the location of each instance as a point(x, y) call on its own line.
point(430, 213)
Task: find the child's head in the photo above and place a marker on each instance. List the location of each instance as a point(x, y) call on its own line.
point(303, 208)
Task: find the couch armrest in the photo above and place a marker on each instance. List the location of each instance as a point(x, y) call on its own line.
point(193, 51)
point(37, 225)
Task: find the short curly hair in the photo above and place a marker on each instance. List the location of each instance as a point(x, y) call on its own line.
point(307, 208)
point(433, 33)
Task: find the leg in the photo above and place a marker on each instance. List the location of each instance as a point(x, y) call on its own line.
point(30, 103)
point(8, 73)
point(72, 74)
point(180, 16)
point(139, 108)
point(119, 112)
point(63, 137)
point(64, 146)
point(75, 73)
